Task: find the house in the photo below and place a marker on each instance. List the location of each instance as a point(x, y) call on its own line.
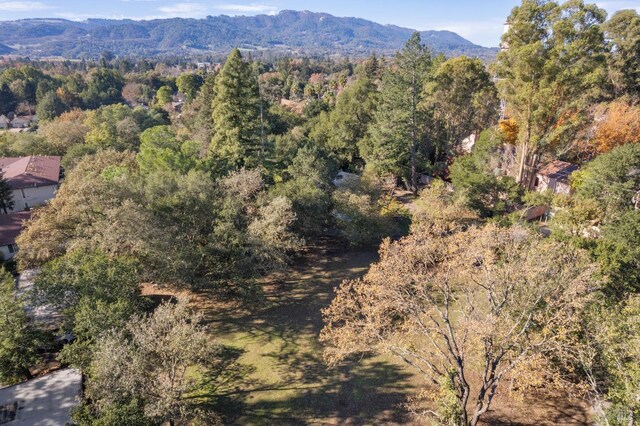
point(10, 227)
point(4, 122)
point(21, 122)
point(34, 179)
point(555, 177)
point(45, 400)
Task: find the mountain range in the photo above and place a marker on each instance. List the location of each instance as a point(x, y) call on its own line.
point(289, 32)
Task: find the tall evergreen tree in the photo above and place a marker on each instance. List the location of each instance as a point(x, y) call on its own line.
point(6, 194)
point(236, 116)
point(8, 100)
point(551, 69)
point(623, 33)
point(399, 134)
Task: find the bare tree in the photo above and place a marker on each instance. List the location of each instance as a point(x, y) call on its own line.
point(461, 309)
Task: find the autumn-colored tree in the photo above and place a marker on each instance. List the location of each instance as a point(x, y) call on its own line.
point(621, 125)
point(463, 310)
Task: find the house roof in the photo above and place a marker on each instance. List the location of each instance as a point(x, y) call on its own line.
point(4, 119)
point(25, 172)
point(11, 226)
point(558, 170)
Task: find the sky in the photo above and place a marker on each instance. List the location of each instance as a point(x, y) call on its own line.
point(482, 22)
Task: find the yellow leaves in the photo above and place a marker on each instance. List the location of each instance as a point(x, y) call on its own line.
point(619, 126)
point(509, 129)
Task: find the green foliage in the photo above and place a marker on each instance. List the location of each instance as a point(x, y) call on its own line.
point(19, 337)
point(146, 370)
point(103, 88)
point(95, 293)
point(399, 138)
point(49, 107)
point(363, 215)
point(164, 95)
point(341, 130)
point(612, 180)
point(236, 117)
point(8, 101)
point(618, 252)
point(119, 127)
point(463, 100)
point(160, 150)
point(485, 192)
point(622, 31)
point(189, 85)
point(309, 189)
point(552, 70)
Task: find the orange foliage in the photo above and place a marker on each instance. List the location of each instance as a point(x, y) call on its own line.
point(620, 125)
point(509, 129)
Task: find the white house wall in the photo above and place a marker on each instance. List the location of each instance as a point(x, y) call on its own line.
point(33, 196)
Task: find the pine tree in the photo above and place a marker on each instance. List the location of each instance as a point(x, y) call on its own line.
point(6, 194)
point(236, 116)
point(8, 101)
point(399, 133)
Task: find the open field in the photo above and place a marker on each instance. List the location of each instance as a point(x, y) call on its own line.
point(273, 372)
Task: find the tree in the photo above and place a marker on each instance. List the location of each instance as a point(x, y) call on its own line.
point(49, 107)
point(236, 116)
point(94, 293)
point(159, 150)
point(463, 100)
point(611, 180)
point(618, 252)
point(64, 132)
point(551, 70)
point(151, 366)
point(104, 88)
point(474, 176)
point(164, 95)
point(621, 125)
point(464, 308)
point(399, 133)
point(8, 101)
point(20, 339)
point(6, 194)
point(189, 85)
point(622, 31)
point(342, 130)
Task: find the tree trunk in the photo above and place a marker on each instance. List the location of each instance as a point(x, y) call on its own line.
point(27, 373)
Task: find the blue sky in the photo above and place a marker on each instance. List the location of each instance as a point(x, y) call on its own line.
point(479, 21)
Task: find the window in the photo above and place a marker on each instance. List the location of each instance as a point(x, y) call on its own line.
point(11, 249)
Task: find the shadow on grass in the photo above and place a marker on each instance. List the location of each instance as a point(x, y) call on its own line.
point(282, 378)
point(356, 393)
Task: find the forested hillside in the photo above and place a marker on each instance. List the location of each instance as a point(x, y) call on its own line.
point(289, 32)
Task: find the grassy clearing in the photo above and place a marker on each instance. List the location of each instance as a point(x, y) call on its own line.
point(271, 371)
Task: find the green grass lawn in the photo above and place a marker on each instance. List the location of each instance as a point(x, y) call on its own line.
point(274, 372)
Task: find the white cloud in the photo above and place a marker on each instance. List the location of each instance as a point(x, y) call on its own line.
point(22, 6)
point(185, 9)
point(248, 8)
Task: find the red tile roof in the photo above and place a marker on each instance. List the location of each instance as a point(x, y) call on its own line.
point(11, 226)
point(558, 170)
point(25, 172)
